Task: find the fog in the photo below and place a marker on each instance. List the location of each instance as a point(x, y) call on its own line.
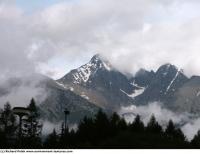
point(188, 123)
point(48, 127)
point(131, 34)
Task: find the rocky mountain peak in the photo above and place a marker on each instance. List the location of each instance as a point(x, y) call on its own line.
point(166, 68)
point(100, 62)
point(82, 74)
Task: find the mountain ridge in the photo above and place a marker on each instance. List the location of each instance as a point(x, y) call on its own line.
point(98, 85)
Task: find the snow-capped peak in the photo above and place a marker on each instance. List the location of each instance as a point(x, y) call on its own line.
point(100, 62)
point(84, 72)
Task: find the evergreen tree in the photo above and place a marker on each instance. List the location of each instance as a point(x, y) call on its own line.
point(8, 119)
point(8, 125)
point(2, 132)
point(52, 141)
point(179, 135)
point(32, 126)
point(173, 132)
point(137, 125)
point(102, 125)
point(170, 130)
point(122, 125)
point(114, 122)
point(153, 126)
point(195, 142)
point(86, 130)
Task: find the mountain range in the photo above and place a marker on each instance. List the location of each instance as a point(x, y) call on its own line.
point(101, 86)
point(98, 85)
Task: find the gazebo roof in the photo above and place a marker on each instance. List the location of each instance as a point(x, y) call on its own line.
point(21, 111)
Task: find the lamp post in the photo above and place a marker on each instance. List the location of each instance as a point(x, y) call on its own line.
point(66, 114)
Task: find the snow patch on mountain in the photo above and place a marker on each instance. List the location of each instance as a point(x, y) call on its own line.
point(71, 89)
point(65, 87)
point(198, 94)
point(107, 66)
point(62, 85)
point(84, 72)
point(84, 96)
point(136, 92)
point(169, 86)
point(136, 85)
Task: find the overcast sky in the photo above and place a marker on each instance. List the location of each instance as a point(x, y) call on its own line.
point(55, 36)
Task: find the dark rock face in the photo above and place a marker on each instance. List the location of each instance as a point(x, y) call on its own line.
point(59, 99)
point(188, 97)
point(102, 79)
point(143, 78)
point(163, 85)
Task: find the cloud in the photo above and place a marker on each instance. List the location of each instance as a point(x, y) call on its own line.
point(18, 91)
point(191, 128)
point(132, 34)
point(162, 115)
point(188, 123)
point(48, 127)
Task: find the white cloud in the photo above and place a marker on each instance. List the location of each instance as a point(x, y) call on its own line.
point(189, 123)
point(48, 127)
point(191, 128)
point(132, 34)
point(162, 115)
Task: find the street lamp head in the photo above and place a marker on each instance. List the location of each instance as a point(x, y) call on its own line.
point(66, 112)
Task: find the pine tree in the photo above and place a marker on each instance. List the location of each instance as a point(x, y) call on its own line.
point(86, 130)
point(137, 125)
point(170, 130)
point(122, 125)
point(32, 126)
point(153, 126)
point(102, 125)
point(52, 141)
point(195, 142)
point(8, 118)
point(173, 132)
point(114, 122)
point(8, 123)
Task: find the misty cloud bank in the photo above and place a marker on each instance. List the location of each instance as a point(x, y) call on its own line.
point(48, 127)
point(131, 33)
point(188, 123)
point(18, 91)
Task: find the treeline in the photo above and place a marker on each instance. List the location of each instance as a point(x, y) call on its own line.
point(99, 132)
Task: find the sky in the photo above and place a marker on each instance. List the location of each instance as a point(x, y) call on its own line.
point(54, 36)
